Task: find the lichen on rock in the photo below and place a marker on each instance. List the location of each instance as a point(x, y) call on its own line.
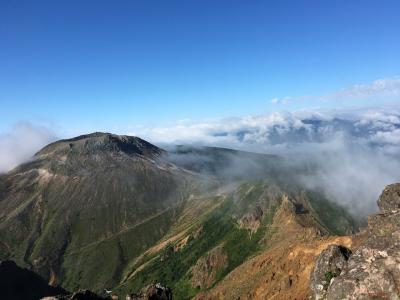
point(328, 265)
point(390, 198)
point(373, 271)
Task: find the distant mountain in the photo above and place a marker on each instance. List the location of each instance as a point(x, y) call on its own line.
point(106, 211)
point(96, 200)
point(226, 164)
point(99, 142)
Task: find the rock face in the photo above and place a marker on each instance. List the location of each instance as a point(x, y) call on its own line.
point(373, 271)
point(328, 265)
point(18, 283)
point(390, 198)
point(252, 220)
point(204, 272)
point(152, 292)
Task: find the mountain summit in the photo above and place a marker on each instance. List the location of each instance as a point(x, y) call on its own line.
point(100, 142)
point(96, 197)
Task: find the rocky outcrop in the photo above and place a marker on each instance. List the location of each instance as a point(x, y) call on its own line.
point(252, 220)
point(328, 265)
point(204, 272)
point(390, 198)
point(373, 271)
point(18, 283)
point(152, 292)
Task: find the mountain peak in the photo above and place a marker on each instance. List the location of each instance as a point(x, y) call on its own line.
point(102, 141)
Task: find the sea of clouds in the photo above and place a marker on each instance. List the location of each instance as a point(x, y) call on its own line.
point(354, 153)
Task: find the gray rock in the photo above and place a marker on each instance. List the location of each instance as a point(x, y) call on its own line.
point(152, 292)
point(373, 271)
point(329, 264)
point(390, 198)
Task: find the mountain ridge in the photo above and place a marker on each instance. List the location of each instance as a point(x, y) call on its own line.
point(126, 203)
point(102, 141)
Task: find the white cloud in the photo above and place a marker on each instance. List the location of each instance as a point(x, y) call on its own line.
point(357, 152)
point(284, 101)
point(280, 129)
point(379, 89)
point(20, 143)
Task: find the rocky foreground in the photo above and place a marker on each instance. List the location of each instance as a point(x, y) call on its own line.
point(373, 270)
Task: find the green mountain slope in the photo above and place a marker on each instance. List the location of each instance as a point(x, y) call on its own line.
point(89, 200)
point(237, 227)
point(106, 211)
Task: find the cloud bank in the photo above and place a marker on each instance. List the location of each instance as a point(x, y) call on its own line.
point(283, 131)
point(353, 154)
point(21, 142)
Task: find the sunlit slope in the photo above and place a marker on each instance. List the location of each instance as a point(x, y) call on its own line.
point(225, 231)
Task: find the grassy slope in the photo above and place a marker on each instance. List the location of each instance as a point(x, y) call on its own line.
point(333, 216)
point(86, 222)
point(220, 227)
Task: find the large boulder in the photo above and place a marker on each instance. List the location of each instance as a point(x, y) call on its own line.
point(390, 198)
point(329, 264)
point(373, 271)
point(152, 292)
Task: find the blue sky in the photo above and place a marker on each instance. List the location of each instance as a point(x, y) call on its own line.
point(108, 65)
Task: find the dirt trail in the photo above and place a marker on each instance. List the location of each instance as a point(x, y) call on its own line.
point(88, 246)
